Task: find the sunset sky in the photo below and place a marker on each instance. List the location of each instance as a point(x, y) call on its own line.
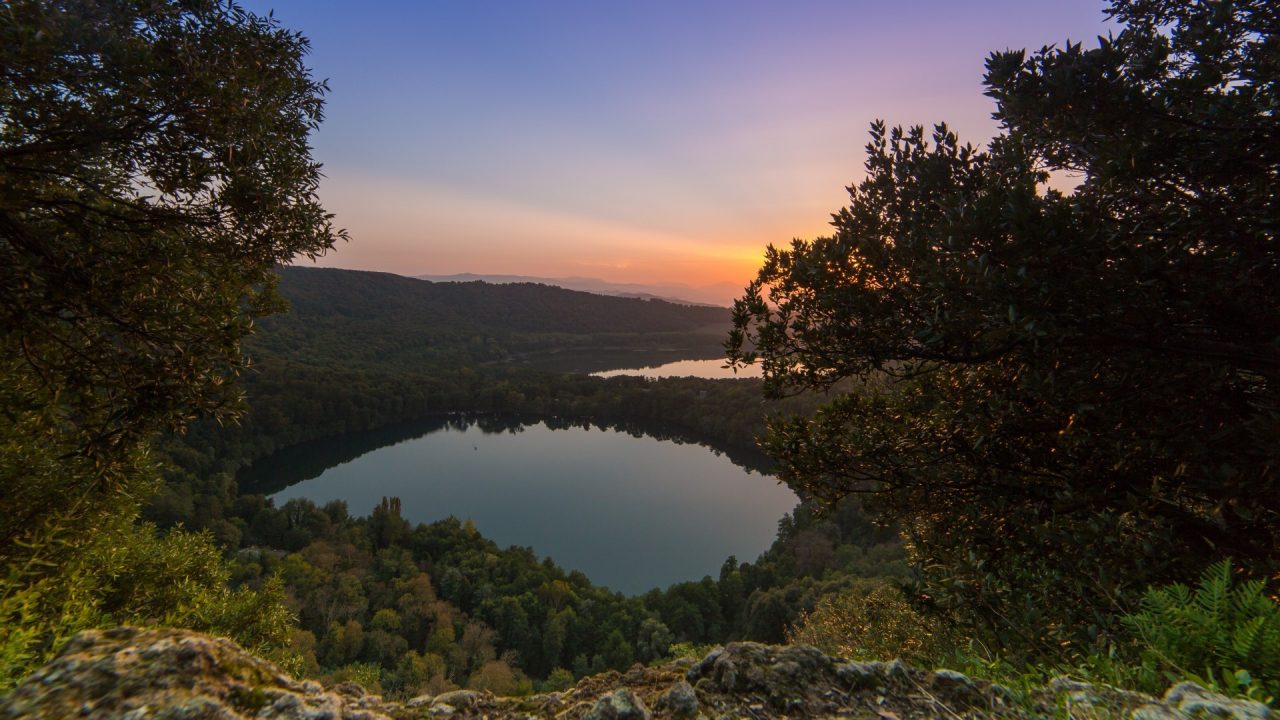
point(634, 142)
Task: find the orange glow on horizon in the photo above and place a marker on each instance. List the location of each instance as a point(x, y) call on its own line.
point(415, 230)
point(614, 143)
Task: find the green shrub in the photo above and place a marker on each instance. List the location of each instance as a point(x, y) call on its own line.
point(1222, 634)
point(133, 575)
point(559, 680)
point(871, 621)
point(365, 674)
point(680, 650)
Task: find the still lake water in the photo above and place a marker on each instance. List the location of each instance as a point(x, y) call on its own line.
point(713, 369)
point(632, 512)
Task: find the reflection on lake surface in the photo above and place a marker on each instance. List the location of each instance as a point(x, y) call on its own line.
point(631, 511)
point(711, 369)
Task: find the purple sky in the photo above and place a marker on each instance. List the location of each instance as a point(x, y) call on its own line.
point(638, 142)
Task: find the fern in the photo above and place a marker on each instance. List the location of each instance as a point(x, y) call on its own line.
point(1228, 631)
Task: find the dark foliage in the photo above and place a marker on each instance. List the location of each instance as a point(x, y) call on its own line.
point(374, 589)
point(444, 582)
point(1075, 394)
point(154, 169)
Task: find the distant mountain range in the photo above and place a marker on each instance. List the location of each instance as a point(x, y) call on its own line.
point(717, 295)
point(394, 305)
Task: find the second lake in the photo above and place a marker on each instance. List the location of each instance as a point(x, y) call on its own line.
point(631, 511)
point(713, 369)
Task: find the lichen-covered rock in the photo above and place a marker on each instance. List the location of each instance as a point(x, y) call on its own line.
point(801, 681)
point(680, 701)
point(786, 679)
point(420, 701)
point(129, 672)
point(619, 705)
point(459, 699)
point(1197, 702)
point(134, 674)
point(1185, 701)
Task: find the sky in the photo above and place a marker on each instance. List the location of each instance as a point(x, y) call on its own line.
point(638, 142)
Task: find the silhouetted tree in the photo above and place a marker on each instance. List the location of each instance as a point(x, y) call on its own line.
point(1042, 377)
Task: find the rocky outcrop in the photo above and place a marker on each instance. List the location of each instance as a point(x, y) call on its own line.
point(137, 674)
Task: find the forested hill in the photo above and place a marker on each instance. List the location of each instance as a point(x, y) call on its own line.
point(384, 322)
point(322, 293)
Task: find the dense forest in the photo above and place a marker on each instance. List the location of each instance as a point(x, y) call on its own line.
point(438, 605)
point(346, 316)
point(426, 608)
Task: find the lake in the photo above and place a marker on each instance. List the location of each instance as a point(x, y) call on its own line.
point(631, 511)
point(713, 369)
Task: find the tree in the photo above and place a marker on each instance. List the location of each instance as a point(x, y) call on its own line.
point(154, 169)
point(1061, 397)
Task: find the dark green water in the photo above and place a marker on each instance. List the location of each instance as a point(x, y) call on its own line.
point(631, 511)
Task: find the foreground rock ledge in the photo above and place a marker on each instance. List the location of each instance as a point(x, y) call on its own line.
point(133, 674)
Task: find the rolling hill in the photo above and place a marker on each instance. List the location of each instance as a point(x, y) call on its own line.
point(362, 318)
